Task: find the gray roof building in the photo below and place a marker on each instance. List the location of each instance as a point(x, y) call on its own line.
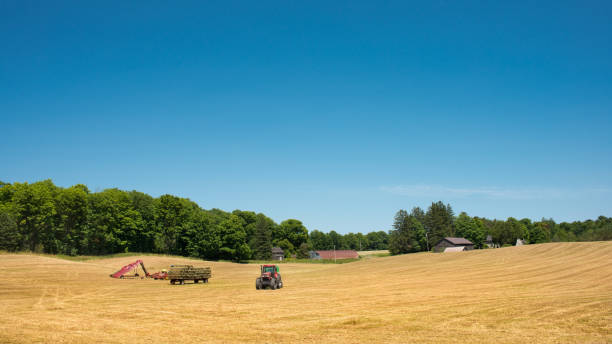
point(453, 242)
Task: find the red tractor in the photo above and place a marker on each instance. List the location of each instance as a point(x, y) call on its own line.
point(270, 277)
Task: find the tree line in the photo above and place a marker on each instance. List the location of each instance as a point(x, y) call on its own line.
point(42, 217)
point(420, 230)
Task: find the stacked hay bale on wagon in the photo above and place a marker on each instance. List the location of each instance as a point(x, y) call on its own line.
point(181, 273)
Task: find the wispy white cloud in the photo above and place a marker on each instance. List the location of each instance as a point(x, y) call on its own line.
point(439, 191)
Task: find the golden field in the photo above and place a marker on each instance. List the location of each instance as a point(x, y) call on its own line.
point(547, 293)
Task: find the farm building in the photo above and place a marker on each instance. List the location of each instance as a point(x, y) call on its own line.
point(338, 254)
point(453, 242)
point(520, 242)
point(454, 249)
point(278, 253)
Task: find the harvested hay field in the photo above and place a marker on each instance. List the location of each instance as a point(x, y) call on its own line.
point(548, 293)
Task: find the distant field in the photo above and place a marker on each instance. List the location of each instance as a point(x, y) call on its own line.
point(550, 293)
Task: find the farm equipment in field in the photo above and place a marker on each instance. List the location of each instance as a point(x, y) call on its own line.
point(181, 273)
point(270, 277)
point(122, 273)
point(160, 275)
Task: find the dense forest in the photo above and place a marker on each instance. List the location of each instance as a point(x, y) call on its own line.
point(42, 217)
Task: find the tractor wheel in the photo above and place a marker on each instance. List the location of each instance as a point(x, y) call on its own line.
point(273, 284)
point(280, 284)
point(258, 284)
point(195, 281)
point(172, 281)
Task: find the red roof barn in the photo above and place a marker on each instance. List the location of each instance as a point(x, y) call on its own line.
point(338, 254)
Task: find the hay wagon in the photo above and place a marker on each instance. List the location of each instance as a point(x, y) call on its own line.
point(181, 273)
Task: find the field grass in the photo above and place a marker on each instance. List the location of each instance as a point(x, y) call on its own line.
point(549, 293)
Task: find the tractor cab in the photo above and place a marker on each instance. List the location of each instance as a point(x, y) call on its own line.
point(269, 270)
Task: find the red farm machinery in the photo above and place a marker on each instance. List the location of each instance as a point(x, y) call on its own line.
point(123, 272)
point(270, 278)
point(177, 274)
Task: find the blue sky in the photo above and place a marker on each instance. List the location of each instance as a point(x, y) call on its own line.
point(337, 114)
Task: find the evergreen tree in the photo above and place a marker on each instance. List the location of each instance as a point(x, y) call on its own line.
point(399, 219)
point(263, 239)
point(418, 214)
point(439, 222)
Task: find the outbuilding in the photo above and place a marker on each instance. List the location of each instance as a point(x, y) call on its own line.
point(453, 242)
point(278, 253)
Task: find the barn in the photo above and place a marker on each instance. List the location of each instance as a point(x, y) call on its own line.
point(453, 242)
point(338, 254)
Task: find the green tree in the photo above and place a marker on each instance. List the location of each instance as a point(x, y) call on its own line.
point(73, 219)
point(399, 219)
point(337, 241)
point(439, 222)
point(408, 238)
point(303, 252)
point(170, 218)
point(114, 222)
point(243, 252)
point(320, 240)
point(287, 247)
point(378, 240)
point(471, 229)
point(144, 205)
point(204, 236)
point(513, 230)
point(418, 214)
point(263, 238)
point(8, 232)
point(294, 231)
point(540, 233)
point(35, 210)
point(350, 241)
point(233, 239)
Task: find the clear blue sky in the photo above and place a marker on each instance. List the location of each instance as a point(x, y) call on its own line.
point(337, 114)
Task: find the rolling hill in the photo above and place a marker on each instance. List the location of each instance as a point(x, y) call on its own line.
point(548, 293)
